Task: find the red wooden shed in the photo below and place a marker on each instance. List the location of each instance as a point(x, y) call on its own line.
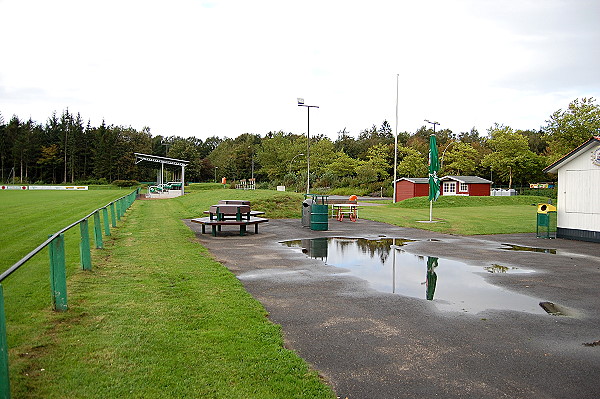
point(465, 185)
point(408, 187)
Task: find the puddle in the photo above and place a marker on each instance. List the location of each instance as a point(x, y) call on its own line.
point(512, 247)
point(451, 285)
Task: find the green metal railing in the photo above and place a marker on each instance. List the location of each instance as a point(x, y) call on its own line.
point(58, 275)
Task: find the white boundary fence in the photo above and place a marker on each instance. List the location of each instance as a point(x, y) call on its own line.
point(44, 187)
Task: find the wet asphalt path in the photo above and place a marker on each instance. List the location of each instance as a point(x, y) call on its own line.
point(369, 344)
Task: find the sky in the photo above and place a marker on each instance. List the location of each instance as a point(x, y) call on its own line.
point(210, 67)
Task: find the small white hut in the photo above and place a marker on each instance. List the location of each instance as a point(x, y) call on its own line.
point(578, 208)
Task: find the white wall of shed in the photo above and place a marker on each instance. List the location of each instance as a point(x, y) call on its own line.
point(579, 193)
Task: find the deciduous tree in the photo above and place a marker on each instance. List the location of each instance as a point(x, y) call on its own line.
point(567, 129)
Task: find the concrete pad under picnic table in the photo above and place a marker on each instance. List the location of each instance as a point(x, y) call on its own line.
point(371, 344)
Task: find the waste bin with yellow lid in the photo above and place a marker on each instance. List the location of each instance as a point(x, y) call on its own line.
point(545, 208)
point(546, 221)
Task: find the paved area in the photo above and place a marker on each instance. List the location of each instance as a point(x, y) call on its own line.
point(369, 344)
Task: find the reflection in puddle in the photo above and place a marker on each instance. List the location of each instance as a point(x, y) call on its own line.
point(512, 247)
point(500, 269)
point(452, 285)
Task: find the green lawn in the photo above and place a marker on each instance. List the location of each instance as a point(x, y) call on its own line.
point(27, 219)
point(156, 317)
point(462, 215)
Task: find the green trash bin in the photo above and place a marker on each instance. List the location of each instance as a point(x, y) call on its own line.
point(319, 212)
point(319, 217)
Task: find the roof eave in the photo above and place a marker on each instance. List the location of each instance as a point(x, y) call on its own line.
point(553, 168)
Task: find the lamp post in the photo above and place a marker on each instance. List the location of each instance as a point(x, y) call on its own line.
point(444, 152)
point(433, 123)
point(252, 155)
point(216, 167)
point(301, 104)
point(292, 161)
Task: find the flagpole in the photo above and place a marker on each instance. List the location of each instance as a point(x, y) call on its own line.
point(433, 169)
point(430, 210)
point(396, 141)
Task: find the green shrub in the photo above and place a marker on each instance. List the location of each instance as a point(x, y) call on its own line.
point(344, 191)
point(125, 183)
point(88, 182)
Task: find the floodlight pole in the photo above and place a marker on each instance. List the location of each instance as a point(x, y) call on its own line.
point(433, 123)
point(301, 104)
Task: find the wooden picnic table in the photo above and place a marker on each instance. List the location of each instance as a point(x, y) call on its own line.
point(252, 213)
point(230, 214)
point(234, 202)
point(217, 224)
point(221, 211)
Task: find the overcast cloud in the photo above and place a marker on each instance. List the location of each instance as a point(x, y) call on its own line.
point(203, 68)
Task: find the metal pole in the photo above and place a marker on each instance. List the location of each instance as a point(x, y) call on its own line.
point(162, 172)
point(430, 210)
point(182, 178)
point(396, 142)
point(431, 201)
point(308, 154)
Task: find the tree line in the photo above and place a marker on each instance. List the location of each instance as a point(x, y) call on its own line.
point(66, 149)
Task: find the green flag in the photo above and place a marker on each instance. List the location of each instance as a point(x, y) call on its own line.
point(434, 166)
point(431, 279)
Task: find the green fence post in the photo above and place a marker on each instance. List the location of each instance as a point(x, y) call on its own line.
point(119, 211)
point(4, 380)
point(113, 217)
point(58, 273)
point(84, 246)
point(106, 226)
point(98, 231)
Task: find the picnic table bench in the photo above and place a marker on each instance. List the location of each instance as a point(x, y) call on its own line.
point(230, 215)
point(216, 224)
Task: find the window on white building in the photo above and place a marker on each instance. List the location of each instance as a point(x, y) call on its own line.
point(449, 187)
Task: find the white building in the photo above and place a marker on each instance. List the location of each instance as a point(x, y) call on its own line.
point(578, 208)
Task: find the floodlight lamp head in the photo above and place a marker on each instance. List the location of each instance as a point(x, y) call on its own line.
point(300, 101)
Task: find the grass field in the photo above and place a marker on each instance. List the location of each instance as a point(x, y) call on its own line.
point(157, 316)
point(462, 215)
point(27, 219)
